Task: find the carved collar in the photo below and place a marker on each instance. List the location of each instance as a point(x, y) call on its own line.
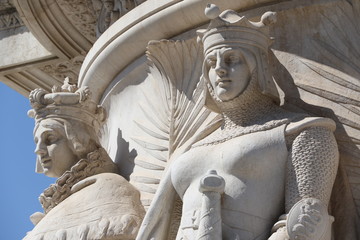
point(96, 162)
point(250, 112)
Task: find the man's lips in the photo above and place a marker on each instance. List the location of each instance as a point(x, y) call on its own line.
point(221, 82)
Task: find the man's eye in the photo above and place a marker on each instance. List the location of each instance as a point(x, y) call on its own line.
point(232, 59)
point(211, 62)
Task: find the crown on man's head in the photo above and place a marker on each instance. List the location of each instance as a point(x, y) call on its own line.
point(231, 29)
point(68, 102)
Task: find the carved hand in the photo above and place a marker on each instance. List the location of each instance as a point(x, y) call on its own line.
point(309, 220)
point(280, 234)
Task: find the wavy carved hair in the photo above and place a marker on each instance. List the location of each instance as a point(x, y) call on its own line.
point(82, 138)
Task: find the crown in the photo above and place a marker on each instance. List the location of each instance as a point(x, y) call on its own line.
point(67, 102)
point(229, 28)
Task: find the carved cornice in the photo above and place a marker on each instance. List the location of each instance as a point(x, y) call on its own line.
point(53, 28)
point(108, 11)
point(9, 17)
point(66, 28)
point(82, 15)
point(61, 70)
point(5, 4)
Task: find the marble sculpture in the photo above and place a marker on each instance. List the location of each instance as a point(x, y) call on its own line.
point(238, 165)
point(89, 199)
point(265, 169)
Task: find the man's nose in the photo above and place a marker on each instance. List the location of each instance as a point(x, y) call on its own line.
point(220, 69)
point(40, 149)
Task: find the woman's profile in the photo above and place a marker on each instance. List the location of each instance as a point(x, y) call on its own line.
point(89, 200)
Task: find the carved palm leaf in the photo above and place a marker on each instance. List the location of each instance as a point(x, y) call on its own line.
point(334, 85)
point(172, 112)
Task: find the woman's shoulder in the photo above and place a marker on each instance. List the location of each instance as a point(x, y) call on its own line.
point(101, 206)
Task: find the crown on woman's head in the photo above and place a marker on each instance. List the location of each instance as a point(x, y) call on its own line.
point(67, 102)
point(229, 28)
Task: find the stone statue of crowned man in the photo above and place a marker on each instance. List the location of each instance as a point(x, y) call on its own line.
point(89, 199)
point(265, 173)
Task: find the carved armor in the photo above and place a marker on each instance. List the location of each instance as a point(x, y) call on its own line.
point(253, 150)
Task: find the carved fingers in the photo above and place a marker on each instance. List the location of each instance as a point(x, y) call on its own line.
point(309, 220)
point(280, 234)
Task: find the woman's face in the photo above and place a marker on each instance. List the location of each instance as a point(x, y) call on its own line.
point(229, 73)
point(54, 150)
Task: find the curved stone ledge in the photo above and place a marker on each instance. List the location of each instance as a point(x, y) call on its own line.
point(50, 25)
point(126, 39)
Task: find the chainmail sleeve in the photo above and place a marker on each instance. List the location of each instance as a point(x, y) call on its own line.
point(312, 166)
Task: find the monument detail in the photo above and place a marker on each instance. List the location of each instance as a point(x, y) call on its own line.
point(184, 120)
point(268, 159)
point(89, 199)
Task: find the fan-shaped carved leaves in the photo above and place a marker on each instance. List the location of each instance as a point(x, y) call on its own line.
point(172, 112)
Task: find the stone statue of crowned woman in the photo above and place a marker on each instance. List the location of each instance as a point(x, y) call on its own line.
point(89, 200)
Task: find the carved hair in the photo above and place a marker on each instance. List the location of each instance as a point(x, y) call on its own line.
point(82, 139)
point(73, 108)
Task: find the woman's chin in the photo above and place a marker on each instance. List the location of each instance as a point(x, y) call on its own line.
point(49, 173)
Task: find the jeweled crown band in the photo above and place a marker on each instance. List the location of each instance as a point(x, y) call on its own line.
point(231, 28)
point(66, 102)
point(67, 112)
point(235, 36)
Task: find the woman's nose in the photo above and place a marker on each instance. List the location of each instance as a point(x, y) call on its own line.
point(40, 149)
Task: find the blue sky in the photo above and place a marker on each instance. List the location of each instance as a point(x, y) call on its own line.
point(19, 184)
